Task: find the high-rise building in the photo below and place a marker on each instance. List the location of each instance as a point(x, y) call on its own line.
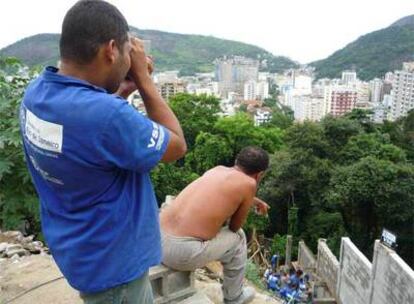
point(363, 95)
point(302, 84)
point(376, 86)
point(234, 72)
point(308, 108)
point(349, 77)
point(339, 100)
point(402, 91)
point(249, 90)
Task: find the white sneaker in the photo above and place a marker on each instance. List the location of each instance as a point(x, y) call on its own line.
point(245, 297)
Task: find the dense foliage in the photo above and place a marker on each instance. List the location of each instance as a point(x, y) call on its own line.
point(342, 176)
point(371, 55)
point(18, 200)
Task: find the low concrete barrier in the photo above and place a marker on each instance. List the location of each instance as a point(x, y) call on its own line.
point(169, 285)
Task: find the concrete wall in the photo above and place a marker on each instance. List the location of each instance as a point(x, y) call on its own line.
point(354, 280)
point(306, 258)
point(354, 276)
point(393, 279)
point(327, 266)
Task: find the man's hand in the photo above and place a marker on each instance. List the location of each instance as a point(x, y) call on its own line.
point(261, 207)
point(142, 65)
point(126, 87)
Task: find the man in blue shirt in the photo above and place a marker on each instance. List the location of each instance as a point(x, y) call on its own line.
point(90, 154)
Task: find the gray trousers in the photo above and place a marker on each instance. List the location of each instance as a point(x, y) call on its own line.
point(228, 247)
point(138, 291)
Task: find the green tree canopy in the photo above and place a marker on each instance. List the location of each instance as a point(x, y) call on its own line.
point(196, 113)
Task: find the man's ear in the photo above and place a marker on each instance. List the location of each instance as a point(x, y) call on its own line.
point(256, 176)
point(111, 51)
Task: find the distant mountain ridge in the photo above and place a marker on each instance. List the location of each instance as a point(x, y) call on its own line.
point(187, 53)
point(373, 54)
point(408, 20)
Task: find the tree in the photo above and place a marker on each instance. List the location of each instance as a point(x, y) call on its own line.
point(282, 117)
point(337, 132)
point(170, 179)
point(196, 113)
point(209, 151)
point(373, 194)
point(270, 102)
point(371, 144)
point(18, 199)
point(239, 131)
point(323, 224)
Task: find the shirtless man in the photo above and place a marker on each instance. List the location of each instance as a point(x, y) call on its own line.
point(193, 226)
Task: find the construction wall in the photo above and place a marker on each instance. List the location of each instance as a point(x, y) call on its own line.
point(306, 258)
point(327, 266)
point(393, 279)
point(354, 276)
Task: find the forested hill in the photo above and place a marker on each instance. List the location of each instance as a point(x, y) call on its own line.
point(373, 54)
point(187, 53)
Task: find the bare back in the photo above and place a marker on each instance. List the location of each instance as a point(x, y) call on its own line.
point(202, 207)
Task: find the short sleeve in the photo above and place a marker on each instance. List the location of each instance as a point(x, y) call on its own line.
point(132, 141)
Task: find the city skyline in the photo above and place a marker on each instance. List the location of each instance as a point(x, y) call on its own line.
point(304, 31)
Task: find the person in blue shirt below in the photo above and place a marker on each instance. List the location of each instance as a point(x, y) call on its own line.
point(90, 153)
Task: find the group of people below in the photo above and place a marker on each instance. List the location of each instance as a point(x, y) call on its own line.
point(292, 285)
point(90, 154)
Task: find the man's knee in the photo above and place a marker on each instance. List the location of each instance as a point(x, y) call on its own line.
point(241, 233)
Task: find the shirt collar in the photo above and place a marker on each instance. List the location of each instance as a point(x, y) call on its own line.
point(51, 74)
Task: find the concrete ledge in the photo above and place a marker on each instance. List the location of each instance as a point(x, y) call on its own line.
point(171, 286)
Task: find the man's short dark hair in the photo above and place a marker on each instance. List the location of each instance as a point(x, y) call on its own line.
point(252, 160)
point(88, 25)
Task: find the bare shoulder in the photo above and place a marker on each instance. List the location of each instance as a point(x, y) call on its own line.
point(215, 170)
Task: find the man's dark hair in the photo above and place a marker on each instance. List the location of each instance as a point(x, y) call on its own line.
point(252, 160)
point(89, 24)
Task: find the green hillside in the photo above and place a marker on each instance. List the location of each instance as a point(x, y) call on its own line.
point(187, 53)
point(374, 54)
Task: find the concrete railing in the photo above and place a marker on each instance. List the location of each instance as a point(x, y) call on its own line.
point(327, 266)
point(354, 277)
point(306, 259)
point(354, 280)
point(392, 278)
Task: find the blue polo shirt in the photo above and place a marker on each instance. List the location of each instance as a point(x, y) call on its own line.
point(89, 154)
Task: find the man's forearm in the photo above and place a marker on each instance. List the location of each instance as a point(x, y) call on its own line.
point(157, 109)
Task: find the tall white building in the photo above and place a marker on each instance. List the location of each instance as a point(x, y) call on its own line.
point(402, 91)
point(232, 73)
point(308, 108)
point(263, 90)
point(376, 90)
point(302, 84)
point(349, 77)
point(363, 95)
point(256, 90)
point(249, 90)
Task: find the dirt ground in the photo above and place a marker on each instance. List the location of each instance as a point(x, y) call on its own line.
point(31, 271)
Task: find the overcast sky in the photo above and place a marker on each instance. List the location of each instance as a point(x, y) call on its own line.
point(304, 30)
